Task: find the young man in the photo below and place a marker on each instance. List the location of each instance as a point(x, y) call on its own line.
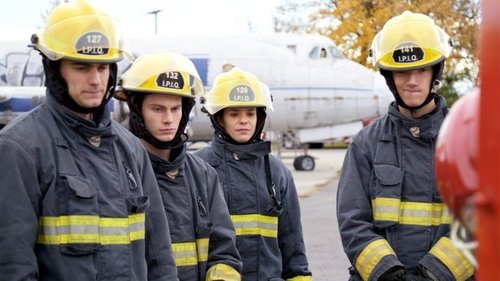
point(259, 189)
point(80, 200)
point(160, 89)
point(393, 223)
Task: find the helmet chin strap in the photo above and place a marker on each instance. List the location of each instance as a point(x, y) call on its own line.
point(59, 88)
point(138, 128)
point(430, 97)
point(436, 84)
point(259, 126)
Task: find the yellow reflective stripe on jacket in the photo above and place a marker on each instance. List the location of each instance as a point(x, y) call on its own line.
point(80, 229)
point(450, 256)
point(255, 224)
point(371, 255)
point(414, 213)
point(300, 278)
point(190, 253)
point(222, 272)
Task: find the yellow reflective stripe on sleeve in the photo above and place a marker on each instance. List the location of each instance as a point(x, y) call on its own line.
point(255, 224)
point(371, 255)
point(450, 256)
point(300, 278)
point(190, 253)
point(222, 272)
point(411, 213)
point(83, 229)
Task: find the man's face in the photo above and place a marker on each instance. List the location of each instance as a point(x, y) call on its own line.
point(162, 114)
point(414, 85)
point(86, 82)
point(239, 123)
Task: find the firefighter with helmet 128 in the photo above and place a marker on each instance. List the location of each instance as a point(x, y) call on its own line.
point(392, 220)
point(258, 188)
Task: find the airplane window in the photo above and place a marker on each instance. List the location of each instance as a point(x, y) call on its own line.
point(318, 53)
point(336, 52)
point(292, 48)
point(313, 54)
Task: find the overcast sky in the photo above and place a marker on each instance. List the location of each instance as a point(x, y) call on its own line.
point(20, 18)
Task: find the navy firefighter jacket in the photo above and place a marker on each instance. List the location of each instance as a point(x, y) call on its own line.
point(389, 209)
point(269, 237)
point(202, 234)
point(79, 201)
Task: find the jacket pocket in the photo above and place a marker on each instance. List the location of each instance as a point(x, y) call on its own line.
point(80, 195)
point(204, 229)
point(386, 195)
point(81, 221)
point(137, 205)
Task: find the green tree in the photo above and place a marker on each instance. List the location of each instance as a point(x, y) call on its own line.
point(352, 25)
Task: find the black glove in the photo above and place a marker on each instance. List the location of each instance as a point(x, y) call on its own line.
point(424, 272)
point(413, 277)
point(396, 273)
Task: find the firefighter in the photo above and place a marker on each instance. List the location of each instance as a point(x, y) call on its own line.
point(392, 220)
point(160, 89)
point(258, 188)
point(80, 200)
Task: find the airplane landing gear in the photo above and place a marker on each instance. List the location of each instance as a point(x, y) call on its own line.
point(304, 163)
point(289, 140)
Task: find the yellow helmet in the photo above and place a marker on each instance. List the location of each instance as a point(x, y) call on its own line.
point(410, 41)
point(80, 31)
point(161, 72)
point(237, 88)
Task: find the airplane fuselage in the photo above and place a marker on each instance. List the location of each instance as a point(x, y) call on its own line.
point(312, 84)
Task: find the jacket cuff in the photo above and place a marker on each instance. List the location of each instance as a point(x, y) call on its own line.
point(375, 259)
point(446, 262)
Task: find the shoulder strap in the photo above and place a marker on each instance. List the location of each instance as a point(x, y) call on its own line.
point(270, 185)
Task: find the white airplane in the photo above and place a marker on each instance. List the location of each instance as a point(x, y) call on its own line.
point(318, 94)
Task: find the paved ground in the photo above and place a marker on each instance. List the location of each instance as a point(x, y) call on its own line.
point(327, 260)
point(328, 165)
point(317, 190)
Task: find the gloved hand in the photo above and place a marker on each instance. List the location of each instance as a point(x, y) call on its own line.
point(422, 271)
point(396, 273)
point(413, 277)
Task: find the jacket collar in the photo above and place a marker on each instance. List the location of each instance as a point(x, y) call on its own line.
point(240, 151)
point(84, 127)
point(427, 126)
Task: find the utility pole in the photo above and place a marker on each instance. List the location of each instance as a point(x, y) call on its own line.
point(155, 13)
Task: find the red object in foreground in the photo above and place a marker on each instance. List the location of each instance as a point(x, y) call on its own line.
point(489, 144)
point(457, 159)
